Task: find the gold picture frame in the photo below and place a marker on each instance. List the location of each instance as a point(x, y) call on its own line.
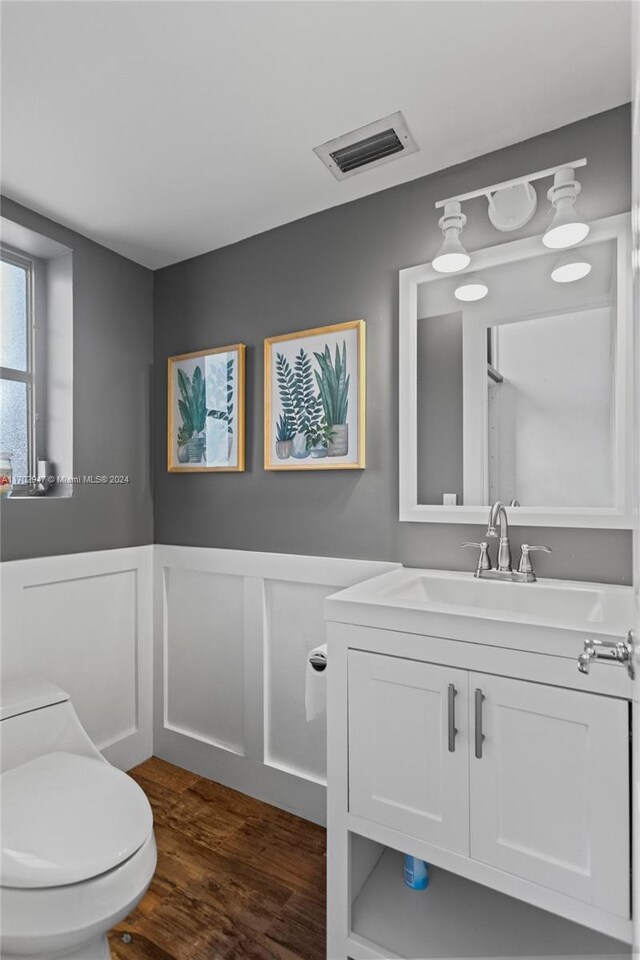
point(206, 410)
point(315, 388)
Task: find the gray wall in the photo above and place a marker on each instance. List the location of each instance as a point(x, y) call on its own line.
point(112, 357)
point(339, 265)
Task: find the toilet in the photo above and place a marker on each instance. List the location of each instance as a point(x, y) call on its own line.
point(78, 849)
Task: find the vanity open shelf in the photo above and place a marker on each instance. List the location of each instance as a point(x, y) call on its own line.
point(456, 917)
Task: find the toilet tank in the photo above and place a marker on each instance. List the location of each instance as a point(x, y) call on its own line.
point(37, 717)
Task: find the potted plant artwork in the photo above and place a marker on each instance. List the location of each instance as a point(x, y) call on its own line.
point(183, 438)
point(314, 413)
point(193, 410)
point(319, 437)
point(333, 383)
point(206, 410)
point(285, 433)
point(299, 402)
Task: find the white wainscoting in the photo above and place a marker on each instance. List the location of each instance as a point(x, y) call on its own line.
point(84, 621)
point(233, 631)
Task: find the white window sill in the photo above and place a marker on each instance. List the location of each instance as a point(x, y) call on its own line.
point(58, 493)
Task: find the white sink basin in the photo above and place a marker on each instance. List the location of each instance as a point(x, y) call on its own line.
point(557, 601)
point(417, 600)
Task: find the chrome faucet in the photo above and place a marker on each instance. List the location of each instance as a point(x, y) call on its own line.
point(620, 651)
point(525, 572)
point(499, 512)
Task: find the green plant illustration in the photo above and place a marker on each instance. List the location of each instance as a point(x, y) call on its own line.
point(307, 403)
point(222, 387)
point(319, 435)
point(300, 404)
point(184, 435)
point(284, 429)
point(287, 390)
point(333, 383)
point(192, 405)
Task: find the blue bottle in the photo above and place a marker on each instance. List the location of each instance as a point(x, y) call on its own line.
point(416, 873)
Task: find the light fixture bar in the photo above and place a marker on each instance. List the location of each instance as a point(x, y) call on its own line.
point(540, 175)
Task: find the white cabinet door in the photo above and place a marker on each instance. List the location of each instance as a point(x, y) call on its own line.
point(550, 787)
point(407, 767)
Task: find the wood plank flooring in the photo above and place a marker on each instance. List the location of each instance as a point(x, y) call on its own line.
point(236, 879)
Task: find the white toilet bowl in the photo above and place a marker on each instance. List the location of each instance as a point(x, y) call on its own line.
point(78, 850)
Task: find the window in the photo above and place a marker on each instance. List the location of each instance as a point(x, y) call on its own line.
point(36, 357)
point(17, 351)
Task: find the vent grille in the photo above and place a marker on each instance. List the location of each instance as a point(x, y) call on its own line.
point(367, 151)
point(367, 147)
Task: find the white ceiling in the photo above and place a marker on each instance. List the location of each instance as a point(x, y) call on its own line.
point(166, 129)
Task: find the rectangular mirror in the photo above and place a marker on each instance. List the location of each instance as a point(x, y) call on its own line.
point(523, 395)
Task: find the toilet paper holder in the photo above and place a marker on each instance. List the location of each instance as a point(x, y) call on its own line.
point(318, 661)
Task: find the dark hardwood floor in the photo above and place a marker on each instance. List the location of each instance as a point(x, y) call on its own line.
point(236, 879)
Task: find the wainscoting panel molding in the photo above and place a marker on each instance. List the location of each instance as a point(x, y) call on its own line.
point(204, 657)
point(84, 621)
point(294, 626)
point(195, 654)
point(233, 631)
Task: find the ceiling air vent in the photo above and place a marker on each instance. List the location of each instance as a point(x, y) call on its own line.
point(367, 147)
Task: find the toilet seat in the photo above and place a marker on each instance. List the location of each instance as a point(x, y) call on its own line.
point(68, 818)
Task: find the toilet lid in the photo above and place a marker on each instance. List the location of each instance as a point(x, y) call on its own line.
point(67, 818)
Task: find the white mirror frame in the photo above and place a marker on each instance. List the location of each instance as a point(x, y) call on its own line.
point(619, 516)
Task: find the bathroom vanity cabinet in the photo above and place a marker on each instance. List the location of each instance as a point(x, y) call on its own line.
point(509, 773)
point(502, 766)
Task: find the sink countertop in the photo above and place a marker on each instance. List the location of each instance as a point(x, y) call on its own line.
point(548, 616)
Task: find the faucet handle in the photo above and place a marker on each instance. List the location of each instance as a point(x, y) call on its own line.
point(525, 560)
point(590, 653)
point(484, 563)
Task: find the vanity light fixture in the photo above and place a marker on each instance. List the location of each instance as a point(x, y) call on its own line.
point(512, 204)
point(471, 288)
point(566, 229)
point(452, 256)
point(574, 266)
point(511, 208)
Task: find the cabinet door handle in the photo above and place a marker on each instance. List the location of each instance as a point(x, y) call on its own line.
point(479, 697)
point(452, 732)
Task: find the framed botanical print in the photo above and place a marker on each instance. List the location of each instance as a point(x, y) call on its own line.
point(314, 411)
point(206, 415)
